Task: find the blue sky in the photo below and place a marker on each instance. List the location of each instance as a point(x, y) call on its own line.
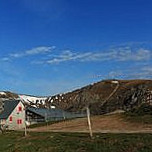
point(53, 46)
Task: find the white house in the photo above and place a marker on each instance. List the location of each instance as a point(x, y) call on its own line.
point(13, 115)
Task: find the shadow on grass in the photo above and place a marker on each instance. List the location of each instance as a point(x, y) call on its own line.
point(74, 142)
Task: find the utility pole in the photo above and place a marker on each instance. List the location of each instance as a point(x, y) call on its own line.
point(25, 129)
point(63, 115)
point(89, 122)
point(46, 119)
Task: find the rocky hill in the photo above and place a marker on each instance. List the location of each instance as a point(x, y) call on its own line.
point(29, 100)
point(33, 101)
point(8, 95)
point(104, 96)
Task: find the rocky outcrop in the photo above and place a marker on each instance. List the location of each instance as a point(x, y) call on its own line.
point(8, 95)
point(1, 105)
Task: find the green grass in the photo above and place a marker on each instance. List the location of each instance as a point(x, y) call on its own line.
point(142, 114)
point(74, 142)
point(41, 124)
point(145, 119)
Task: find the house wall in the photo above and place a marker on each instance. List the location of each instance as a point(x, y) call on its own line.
point(18, 118)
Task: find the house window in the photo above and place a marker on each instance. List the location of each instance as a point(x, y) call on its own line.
point(19, 121)
point(10, 118)
point(19, 108)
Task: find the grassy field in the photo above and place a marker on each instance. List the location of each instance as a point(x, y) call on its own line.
point(146, 119)
point(74, 142)
point(142, 114)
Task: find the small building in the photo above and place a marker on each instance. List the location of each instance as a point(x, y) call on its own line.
point(36, 115)
point(13, 115)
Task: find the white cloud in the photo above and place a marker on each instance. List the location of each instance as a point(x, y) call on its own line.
point(17, 55)
point(68, 56)
point(144, 72)
point(136, 72)
point(138, 55)
point(5, 59)
point(118, 54)
point(31, 52)
point(39, 50)
point(114, 74)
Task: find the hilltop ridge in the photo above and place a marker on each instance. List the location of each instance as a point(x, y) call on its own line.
point(102, 97)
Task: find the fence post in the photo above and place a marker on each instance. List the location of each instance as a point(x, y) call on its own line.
point(63, 115)
point(89, 122)
point(25, 129)
point(46, 120)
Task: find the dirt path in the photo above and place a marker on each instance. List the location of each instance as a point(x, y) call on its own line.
point(104, 124)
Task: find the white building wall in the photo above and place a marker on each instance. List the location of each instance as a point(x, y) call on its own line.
point(16, 116)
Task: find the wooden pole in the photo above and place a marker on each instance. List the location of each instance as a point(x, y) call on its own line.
point(63, 115)
point(25, 129)
point(89, 122)
point(46, 120)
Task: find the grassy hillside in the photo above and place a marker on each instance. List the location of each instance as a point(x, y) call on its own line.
point(75, 142)
point(113, 123)
point(104, 96)
point(142, 114)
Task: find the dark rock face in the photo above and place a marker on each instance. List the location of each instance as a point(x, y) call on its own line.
point(1, 106)
point(126, 99)
point(134, 97)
